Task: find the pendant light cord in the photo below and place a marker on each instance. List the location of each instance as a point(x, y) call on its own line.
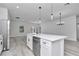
point(39, 12)
point(60, 17)
point(51, 9)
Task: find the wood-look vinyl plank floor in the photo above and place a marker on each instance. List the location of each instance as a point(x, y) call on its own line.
point(71, 48)
point(18, 48)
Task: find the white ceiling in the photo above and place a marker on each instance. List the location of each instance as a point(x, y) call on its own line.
point(29, 11)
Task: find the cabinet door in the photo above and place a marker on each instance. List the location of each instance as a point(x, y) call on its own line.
point(29, 41)
point(45, 48)
point(1, 45)
point(3, 13)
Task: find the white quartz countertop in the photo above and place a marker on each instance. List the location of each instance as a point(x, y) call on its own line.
point(50, 37)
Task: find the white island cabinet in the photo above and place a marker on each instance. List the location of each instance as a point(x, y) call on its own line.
point(49, 48)
point(50, 45)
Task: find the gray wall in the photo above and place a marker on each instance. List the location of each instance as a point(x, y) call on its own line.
point(14, 28)
point(68, 29)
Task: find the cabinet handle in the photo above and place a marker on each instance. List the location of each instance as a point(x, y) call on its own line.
point(44, 42)
point(1, 43)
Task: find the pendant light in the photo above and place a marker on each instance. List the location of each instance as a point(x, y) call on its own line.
point(39, 13)
point(60, 22)
point(51, 11)
point(39, 16)
point(17, 6)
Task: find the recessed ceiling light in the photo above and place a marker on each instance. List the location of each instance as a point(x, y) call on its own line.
point(17, 6)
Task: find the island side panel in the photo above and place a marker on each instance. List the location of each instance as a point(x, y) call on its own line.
point(58, 48)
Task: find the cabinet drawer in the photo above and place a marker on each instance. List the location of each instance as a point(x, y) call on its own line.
point(45, 42)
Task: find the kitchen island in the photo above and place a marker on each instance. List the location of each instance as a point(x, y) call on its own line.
point(48, 45)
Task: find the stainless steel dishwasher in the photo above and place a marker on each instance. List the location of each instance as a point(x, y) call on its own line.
point(36, 46)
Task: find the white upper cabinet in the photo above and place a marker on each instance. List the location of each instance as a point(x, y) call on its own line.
point(3, 13)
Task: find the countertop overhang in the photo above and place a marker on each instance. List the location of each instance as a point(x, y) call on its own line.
point(49, 37)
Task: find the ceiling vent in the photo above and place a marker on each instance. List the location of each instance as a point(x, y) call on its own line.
point(67, 4)
point(17, 17)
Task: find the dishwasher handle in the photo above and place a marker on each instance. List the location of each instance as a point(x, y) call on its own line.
point(36, 39)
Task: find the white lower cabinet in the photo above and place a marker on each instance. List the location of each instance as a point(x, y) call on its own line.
point(30, 41)
point(1, 46)
point(49, 48)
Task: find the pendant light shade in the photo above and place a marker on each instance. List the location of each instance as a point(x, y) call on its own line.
point(17, 6)
point(51, 16)
point(51, 11)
